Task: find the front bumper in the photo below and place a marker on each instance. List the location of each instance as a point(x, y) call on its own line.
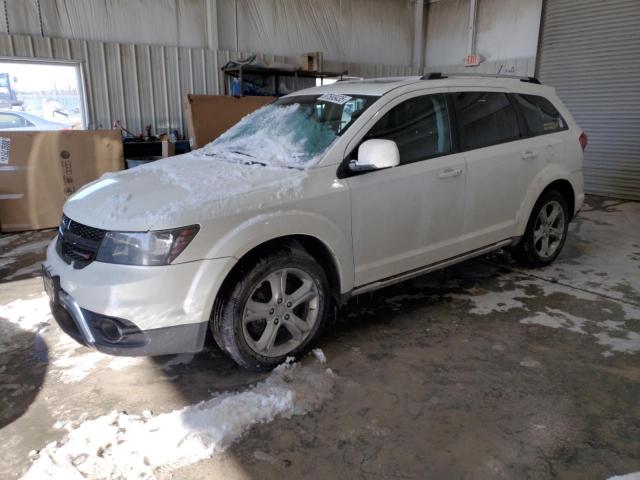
point(164, 310)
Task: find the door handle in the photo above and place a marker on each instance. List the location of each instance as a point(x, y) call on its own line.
point(450, 172)
point(529, 155)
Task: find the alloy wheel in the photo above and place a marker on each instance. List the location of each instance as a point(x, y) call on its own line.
point(280, 312)
point(548, 231)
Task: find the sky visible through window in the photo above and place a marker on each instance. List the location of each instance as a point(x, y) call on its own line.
point(48, 91)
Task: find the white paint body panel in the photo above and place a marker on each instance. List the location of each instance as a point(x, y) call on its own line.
point(376, 225)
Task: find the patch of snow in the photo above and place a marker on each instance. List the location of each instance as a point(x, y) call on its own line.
point(622, 341)
point(319, 354)
point(180, 359)
point(554, 318)
point(74, 368)
point(29, 314)
point(628, 476)
point(486, 302)
point(278, 136)
point(122, 363)
point(121, 445)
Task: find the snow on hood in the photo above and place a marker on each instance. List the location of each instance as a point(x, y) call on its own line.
point(178, 191)
point(122, 445)
point(270, 149)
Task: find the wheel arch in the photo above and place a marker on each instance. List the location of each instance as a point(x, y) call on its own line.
point(549, 179)
point(313, 246)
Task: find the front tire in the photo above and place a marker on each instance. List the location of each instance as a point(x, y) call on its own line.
point(546, 231)
point(274, 309)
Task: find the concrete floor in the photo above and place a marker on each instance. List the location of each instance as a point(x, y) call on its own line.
point(483, 370)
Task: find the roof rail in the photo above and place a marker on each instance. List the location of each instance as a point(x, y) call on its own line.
point(440, 76)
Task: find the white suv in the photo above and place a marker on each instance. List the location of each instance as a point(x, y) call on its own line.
point(324, 194)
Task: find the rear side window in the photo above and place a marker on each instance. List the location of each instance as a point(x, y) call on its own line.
point(419, 126)
point(540, 115)
point(485, 118)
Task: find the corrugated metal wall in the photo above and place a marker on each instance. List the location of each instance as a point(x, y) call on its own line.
point(590, 51)
point(143, 84)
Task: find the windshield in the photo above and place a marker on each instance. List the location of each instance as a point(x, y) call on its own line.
point(291, 132)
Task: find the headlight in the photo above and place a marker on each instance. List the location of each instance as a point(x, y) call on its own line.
point(150, 248)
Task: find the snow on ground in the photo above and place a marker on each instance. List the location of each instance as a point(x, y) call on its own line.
point(513, 293)
point(122, 445)
point(29, 314)
point(180, 359)
point(628, 476)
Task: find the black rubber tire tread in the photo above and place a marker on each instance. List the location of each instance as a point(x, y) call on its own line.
point(228, 309)
point(524, 253)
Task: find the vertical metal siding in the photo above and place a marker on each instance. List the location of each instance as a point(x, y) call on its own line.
point(590, 52)
point(145, 84)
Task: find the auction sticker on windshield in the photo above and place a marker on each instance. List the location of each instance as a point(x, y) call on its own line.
point(335, 98)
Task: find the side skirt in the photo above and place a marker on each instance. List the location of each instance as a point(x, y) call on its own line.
point(385, 282)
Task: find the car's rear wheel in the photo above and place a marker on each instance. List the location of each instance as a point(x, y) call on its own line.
point(546, 231)
point(273, 309)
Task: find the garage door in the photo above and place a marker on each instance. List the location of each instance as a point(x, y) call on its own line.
point(590, 51)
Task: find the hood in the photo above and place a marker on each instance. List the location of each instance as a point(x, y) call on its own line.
point(183, 190)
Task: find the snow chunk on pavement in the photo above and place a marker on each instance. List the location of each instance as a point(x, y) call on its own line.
point(121, 445)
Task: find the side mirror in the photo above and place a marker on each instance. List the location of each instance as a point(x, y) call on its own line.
point(376, 154)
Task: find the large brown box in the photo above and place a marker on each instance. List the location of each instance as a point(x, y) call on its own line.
point(40, 170)
point(209, 116)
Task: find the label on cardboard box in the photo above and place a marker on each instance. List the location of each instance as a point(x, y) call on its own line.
point(5, 146)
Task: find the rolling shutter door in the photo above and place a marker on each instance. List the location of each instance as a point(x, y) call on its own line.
point(590, 52)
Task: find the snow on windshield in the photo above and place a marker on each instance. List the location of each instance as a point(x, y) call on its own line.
point(278, 136)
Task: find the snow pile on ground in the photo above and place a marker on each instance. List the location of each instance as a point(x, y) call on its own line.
point(29, 314)
point(121, 445)
point(628, 476)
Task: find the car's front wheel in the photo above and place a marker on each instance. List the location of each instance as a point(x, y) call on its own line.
point(546, 231)
point(274, 309)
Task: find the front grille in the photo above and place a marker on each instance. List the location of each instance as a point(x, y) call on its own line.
point(78, 243)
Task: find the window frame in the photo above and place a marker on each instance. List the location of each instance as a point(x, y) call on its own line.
point(525, 126)
point(359, 137)
point(79, 65)
point(460, 129)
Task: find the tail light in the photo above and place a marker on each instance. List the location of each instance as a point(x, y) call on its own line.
point(583, 140)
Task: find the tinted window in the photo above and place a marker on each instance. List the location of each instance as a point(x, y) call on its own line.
point(419, 126)
point(486, 118)
point(540, 115)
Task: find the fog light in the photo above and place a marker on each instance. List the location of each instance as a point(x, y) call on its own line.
point(111, 330)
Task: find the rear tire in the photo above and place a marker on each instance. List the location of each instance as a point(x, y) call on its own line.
point(273, 309)
point(546, 231)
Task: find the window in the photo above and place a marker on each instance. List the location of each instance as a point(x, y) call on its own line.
point(419, 126)
point(486, 118)
point(540, 115)
point(44, 95)
point(9, 120)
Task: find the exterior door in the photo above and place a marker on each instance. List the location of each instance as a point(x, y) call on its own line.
point(409, 216)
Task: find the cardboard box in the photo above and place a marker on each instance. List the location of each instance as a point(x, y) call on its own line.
point(311, 62)
point(40, 170)
point(209, 116)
